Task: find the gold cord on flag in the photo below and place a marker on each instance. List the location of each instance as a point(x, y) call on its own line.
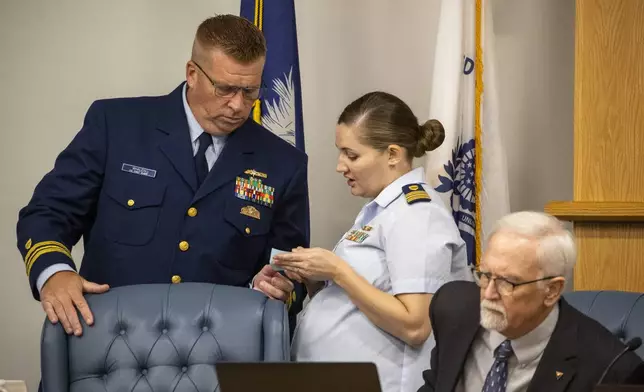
point(258, 21)
point(478, 156)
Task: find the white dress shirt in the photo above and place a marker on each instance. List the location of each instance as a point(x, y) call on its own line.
point(527, 349)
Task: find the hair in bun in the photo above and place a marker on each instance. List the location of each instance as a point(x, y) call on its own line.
point(431, 136)
point(385, 119)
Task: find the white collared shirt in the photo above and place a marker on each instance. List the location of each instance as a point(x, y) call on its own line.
point(527, 352)
point(214, 150)
point(399, 248)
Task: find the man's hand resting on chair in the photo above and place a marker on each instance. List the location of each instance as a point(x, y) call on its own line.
point(62, 294)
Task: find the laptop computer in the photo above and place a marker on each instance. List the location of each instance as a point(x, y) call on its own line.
point(297, 376)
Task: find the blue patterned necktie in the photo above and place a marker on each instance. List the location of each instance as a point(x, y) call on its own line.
point(497, 378)
point(201, 164)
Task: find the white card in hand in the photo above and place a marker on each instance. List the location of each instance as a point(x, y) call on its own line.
point(273, 253)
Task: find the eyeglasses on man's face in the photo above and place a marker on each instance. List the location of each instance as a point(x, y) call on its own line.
point(503, 285)
point(228, 91)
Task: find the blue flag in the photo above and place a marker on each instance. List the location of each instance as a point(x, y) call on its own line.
point(280, 107)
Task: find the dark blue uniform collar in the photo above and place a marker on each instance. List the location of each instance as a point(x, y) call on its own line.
point(177, 145)
point(172, 119)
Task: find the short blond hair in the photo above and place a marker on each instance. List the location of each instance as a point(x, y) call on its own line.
point(237, 37)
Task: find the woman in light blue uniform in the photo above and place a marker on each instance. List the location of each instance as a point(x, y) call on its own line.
point(369, 298)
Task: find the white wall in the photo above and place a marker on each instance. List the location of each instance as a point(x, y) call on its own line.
point(535, 50)
point(347, 49)
point(59, 56)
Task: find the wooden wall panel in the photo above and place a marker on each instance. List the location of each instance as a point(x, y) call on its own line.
point(609, 101)
point(609, 146)
point(611, 257)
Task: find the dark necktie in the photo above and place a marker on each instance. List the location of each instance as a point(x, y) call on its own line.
point(201, 164)
point(497, 378)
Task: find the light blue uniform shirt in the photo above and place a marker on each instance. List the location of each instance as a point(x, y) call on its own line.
point(409, 248)
point(212, 153)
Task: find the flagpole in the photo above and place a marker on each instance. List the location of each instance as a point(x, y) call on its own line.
point(478, 156)
point(258, 20)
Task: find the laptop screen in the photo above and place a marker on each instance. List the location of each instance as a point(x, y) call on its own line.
point(297, 376)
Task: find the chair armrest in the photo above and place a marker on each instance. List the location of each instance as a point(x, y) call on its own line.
point(54, 360)
point(275, 322)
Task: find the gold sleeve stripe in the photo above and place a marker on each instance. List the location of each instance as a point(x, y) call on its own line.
point(35, 255)
point(38, 245)
point(30, 259)
point(45, 250)
point(42, 248)
point(45, 244)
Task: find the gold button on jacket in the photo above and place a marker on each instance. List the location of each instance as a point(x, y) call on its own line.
point(184, 245)
point(176, 279)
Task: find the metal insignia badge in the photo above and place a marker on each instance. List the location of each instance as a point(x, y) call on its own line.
point(255, 173)
point(250, 211)
point(252, 189)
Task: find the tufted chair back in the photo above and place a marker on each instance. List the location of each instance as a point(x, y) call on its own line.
point(620, 312)
point(163, 337)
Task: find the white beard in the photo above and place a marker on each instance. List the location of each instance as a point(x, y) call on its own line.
point(493, 316)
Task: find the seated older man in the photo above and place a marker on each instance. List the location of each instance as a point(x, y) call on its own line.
point(512, 330)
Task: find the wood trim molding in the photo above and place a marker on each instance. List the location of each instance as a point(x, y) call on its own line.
point(596, 211)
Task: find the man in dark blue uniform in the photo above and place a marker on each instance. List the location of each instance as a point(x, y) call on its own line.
point(177, 188)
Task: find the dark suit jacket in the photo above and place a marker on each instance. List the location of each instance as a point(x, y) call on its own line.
point(127, 185)
point(579, 347)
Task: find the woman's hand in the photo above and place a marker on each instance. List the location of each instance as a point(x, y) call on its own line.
point(315, 264)
point(312, 286)
point(405, 316)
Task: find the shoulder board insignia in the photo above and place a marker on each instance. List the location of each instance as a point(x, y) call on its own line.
point(415, 193)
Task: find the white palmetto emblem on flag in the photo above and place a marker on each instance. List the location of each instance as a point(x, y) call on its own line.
point(279, 116)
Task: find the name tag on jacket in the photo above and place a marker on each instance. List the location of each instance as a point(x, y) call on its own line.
point(142, 171)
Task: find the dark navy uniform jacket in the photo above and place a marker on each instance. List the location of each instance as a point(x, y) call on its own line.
point(127, 185)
